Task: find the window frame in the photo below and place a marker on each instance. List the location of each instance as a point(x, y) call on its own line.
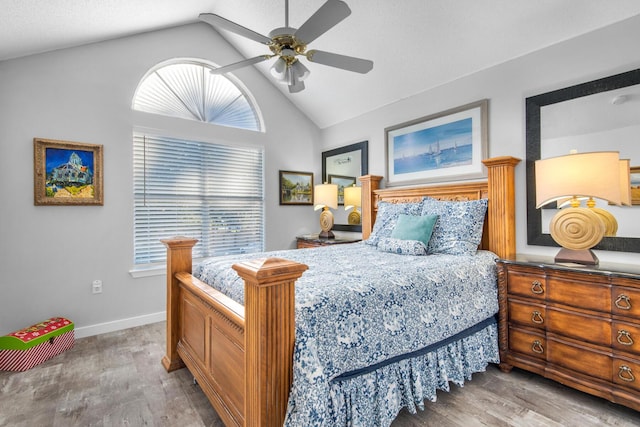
point(167, 126)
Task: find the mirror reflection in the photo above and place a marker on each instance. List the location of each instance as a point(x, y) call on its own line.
point(343, 166)
point(601, 115)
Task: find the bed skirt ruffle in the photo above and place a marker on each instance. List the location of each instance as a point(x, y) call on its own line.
point(375, 398)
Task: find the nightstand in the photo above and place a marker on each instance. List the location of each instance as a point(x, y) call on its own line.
point(577, 325)
point(313, 241)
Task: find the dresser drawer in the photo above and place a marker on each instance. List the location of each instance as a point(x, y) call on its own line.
point(527, 314)
point(625, 336)
point(589, 295)
point(626, 373)
point(585, 359)
point(528, 283)
point(528, 343)
point(580, 326)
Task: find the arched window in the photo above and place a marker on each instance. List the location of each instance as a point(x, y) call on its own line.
point(186, 89)
point(197, 187)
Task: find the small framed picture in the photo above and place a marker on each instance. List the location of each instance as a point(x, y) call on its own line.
point(635, 185)
point(67, 173)
point(296, 188)
point(446, 146)
point(342, 182)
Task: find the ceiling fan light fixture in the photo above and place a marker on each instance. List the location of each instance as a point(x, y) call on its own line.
point(300, 70)
point(279, 69)
point(295, 85)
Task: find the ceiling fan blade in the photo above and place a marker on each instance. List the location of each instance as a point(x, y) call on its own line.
point(348, 63)
point(217, 21)
point(240, 64)
point(325, 18)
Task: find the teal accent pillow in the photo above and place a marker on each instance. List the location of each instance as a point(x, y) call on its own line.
point(414, 227)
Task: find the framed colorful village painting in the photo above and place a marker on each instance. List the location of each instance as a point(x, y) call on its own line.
point(67, 173)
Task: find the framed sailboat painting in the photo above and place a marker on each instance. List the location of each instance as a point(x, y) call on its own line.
point(447, 146)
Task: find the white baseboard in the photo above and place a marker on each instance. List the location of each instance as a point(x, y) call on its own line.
point(118, 325)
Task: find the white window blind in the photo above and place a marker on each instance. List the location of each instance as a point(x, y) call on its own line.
point(211, 192)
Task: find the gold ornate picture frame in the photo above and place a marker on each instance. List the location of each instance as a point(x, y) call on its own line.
point(67, 173)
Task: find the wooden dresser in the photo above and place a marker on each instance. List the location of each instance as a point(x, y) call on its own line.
point(577, 325)
point(312, 241)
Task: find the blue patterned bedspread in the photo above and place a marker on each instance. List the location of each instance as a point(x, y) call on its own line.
point(357, 306)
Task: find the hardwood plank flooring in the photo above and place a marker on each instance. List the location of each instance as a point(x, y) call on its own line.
point(116, 379)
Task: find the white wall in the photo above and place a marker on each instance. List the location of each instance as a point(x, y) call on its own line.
point(49, 255)
point(599, 54)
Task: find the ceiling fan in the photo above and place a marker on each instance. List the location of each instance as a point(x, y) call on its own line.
point(288, 44)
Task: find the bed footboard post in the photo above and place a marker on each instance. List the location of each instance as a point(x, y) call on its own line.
point(269, 303)
point(178, 260)
point(370, 183)
point(502, 205)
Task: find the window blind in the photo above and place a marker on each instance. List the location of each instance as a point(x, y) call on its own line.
point(211, 192)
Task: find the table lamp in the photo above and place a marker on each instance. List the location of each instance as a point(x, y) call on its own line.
point(326, 196)
point(572, 178)
point(353, 199)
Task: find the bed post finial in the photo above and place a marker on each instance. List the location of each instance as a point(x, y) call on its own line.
point(370, 183)
point(502, 205)
point(178, 260)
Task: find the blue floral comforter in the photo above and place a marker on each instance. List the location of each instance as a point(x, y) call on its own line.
point(366, 325)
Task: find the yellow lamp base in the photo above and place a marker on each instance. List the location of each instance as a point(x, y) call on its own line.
point(354, 218)
point(326, 223)
point(577, 230)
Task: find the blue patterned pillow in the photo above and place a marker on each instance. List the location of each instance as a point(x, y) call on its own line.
point(459, 227)
point(387, 218)
point(402, 246)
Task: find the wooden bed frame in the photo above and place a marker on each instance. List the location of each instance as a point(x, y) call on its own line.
point(242, 356)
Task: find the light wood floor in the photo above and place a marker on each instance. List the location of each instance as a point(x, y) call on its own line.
point(116, 379)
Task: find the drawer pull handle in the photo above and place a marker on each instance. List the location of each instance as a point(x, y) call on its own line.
point(537, 347)
point(536, 317)
point(623, 302)
point(624, 337)
point(536, 287)
point(625, 374)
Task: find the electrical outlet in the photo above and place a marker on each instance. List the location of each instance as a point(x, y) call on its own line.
point(96, 287)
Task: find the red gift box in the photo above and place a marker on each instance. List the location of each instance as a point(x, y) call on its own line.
point(26, 348)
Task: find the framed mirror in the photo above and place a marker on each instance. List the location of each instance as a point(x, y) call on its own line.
point(601, 115)
point(342, 165)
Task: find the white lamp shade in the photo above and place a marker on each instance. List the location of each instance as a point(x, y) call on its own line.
point(326, 195)
point(595, 174)
point(352, 197)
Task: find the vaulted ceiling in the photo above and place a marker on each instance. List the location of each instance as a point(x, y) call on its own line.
point(415, 44)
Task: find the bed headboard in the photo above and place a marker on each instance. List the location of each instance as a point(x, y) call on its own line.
point(499, 228)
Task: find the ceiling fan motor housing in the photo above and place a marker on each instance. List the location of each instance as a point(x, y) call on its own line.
point(285, 44)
